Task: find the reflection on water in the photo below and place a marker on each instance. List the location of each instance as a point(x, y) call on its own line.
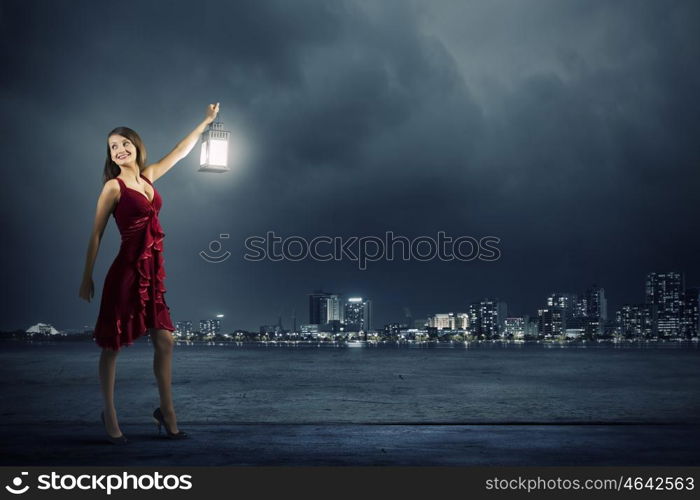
point(498, 344)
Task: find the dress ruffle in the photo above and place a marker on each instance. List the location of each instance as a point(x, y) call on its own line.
point(152, 309)
point(150, 260)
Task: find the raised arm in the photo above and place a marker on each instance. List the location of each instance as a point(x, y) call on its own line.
point(105, 205)
point(183, 148)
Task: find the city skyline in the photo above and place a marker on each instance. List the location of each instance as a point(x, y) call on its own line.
point(591, 303)
point(670, 308)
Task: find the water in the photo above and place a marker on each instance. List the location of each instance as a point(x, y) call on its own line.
point(443, 383)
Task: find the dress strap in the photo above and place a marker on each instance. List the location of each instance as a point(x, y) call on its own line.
point(147, 179)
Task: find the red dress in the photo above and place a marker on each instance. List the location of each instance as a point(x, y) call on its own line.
point(133, 295)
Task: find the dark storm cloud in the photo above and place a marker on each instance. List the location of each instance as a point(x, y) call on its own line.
point(565, 128)
point(591, 122)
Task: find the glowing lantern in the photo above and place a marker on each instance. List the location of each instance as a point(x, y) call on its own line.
point(214, 154)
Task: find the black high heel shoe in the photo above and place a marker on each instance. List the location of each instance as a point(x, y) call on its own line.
point(114, 440)
point(160, 421)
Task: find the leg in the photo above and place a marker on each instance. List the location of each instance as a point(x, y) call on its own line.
point(108, 370)
point(162, 368)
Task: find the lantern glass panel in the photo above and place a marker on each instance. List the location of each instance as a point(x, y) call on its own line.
point(203, 155)
point(218, 153)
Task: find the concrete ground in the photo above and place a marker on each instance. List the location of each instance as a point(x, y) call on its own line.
point(327, 406)
point(62, 443)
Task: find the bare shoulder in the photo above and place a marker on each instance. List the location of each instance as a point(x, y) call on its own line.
point(111, 189)
point(110, 186)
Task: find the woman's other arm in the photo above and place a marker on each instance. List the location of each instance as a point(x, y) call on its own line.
point(105, 206)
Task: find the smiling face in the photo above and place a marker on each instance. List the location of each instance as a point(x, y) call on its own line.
point(121, 149)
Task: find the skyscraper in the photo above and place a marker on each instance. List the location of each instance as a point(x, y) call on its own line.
point(596, 303)
point(334, 308)
point(210, 326)
point(487, 318)
point(665, 291)
point(515, 327)
point(691, 313)
point(568, 303)
point(596, 311)
point(184, 328)
point(358, 314)
point(326, 309)
point(636, 321)
point(552, 321)
point(317, 307)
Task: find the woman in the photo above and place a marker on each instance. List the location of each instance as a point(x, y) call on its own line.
point(133, 300)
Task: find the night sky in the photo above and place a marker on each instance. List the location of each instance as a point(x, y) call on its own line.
point(568, 129)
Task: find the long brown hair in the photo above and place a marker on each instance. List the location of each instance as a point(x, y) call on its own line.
point(112, 170)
